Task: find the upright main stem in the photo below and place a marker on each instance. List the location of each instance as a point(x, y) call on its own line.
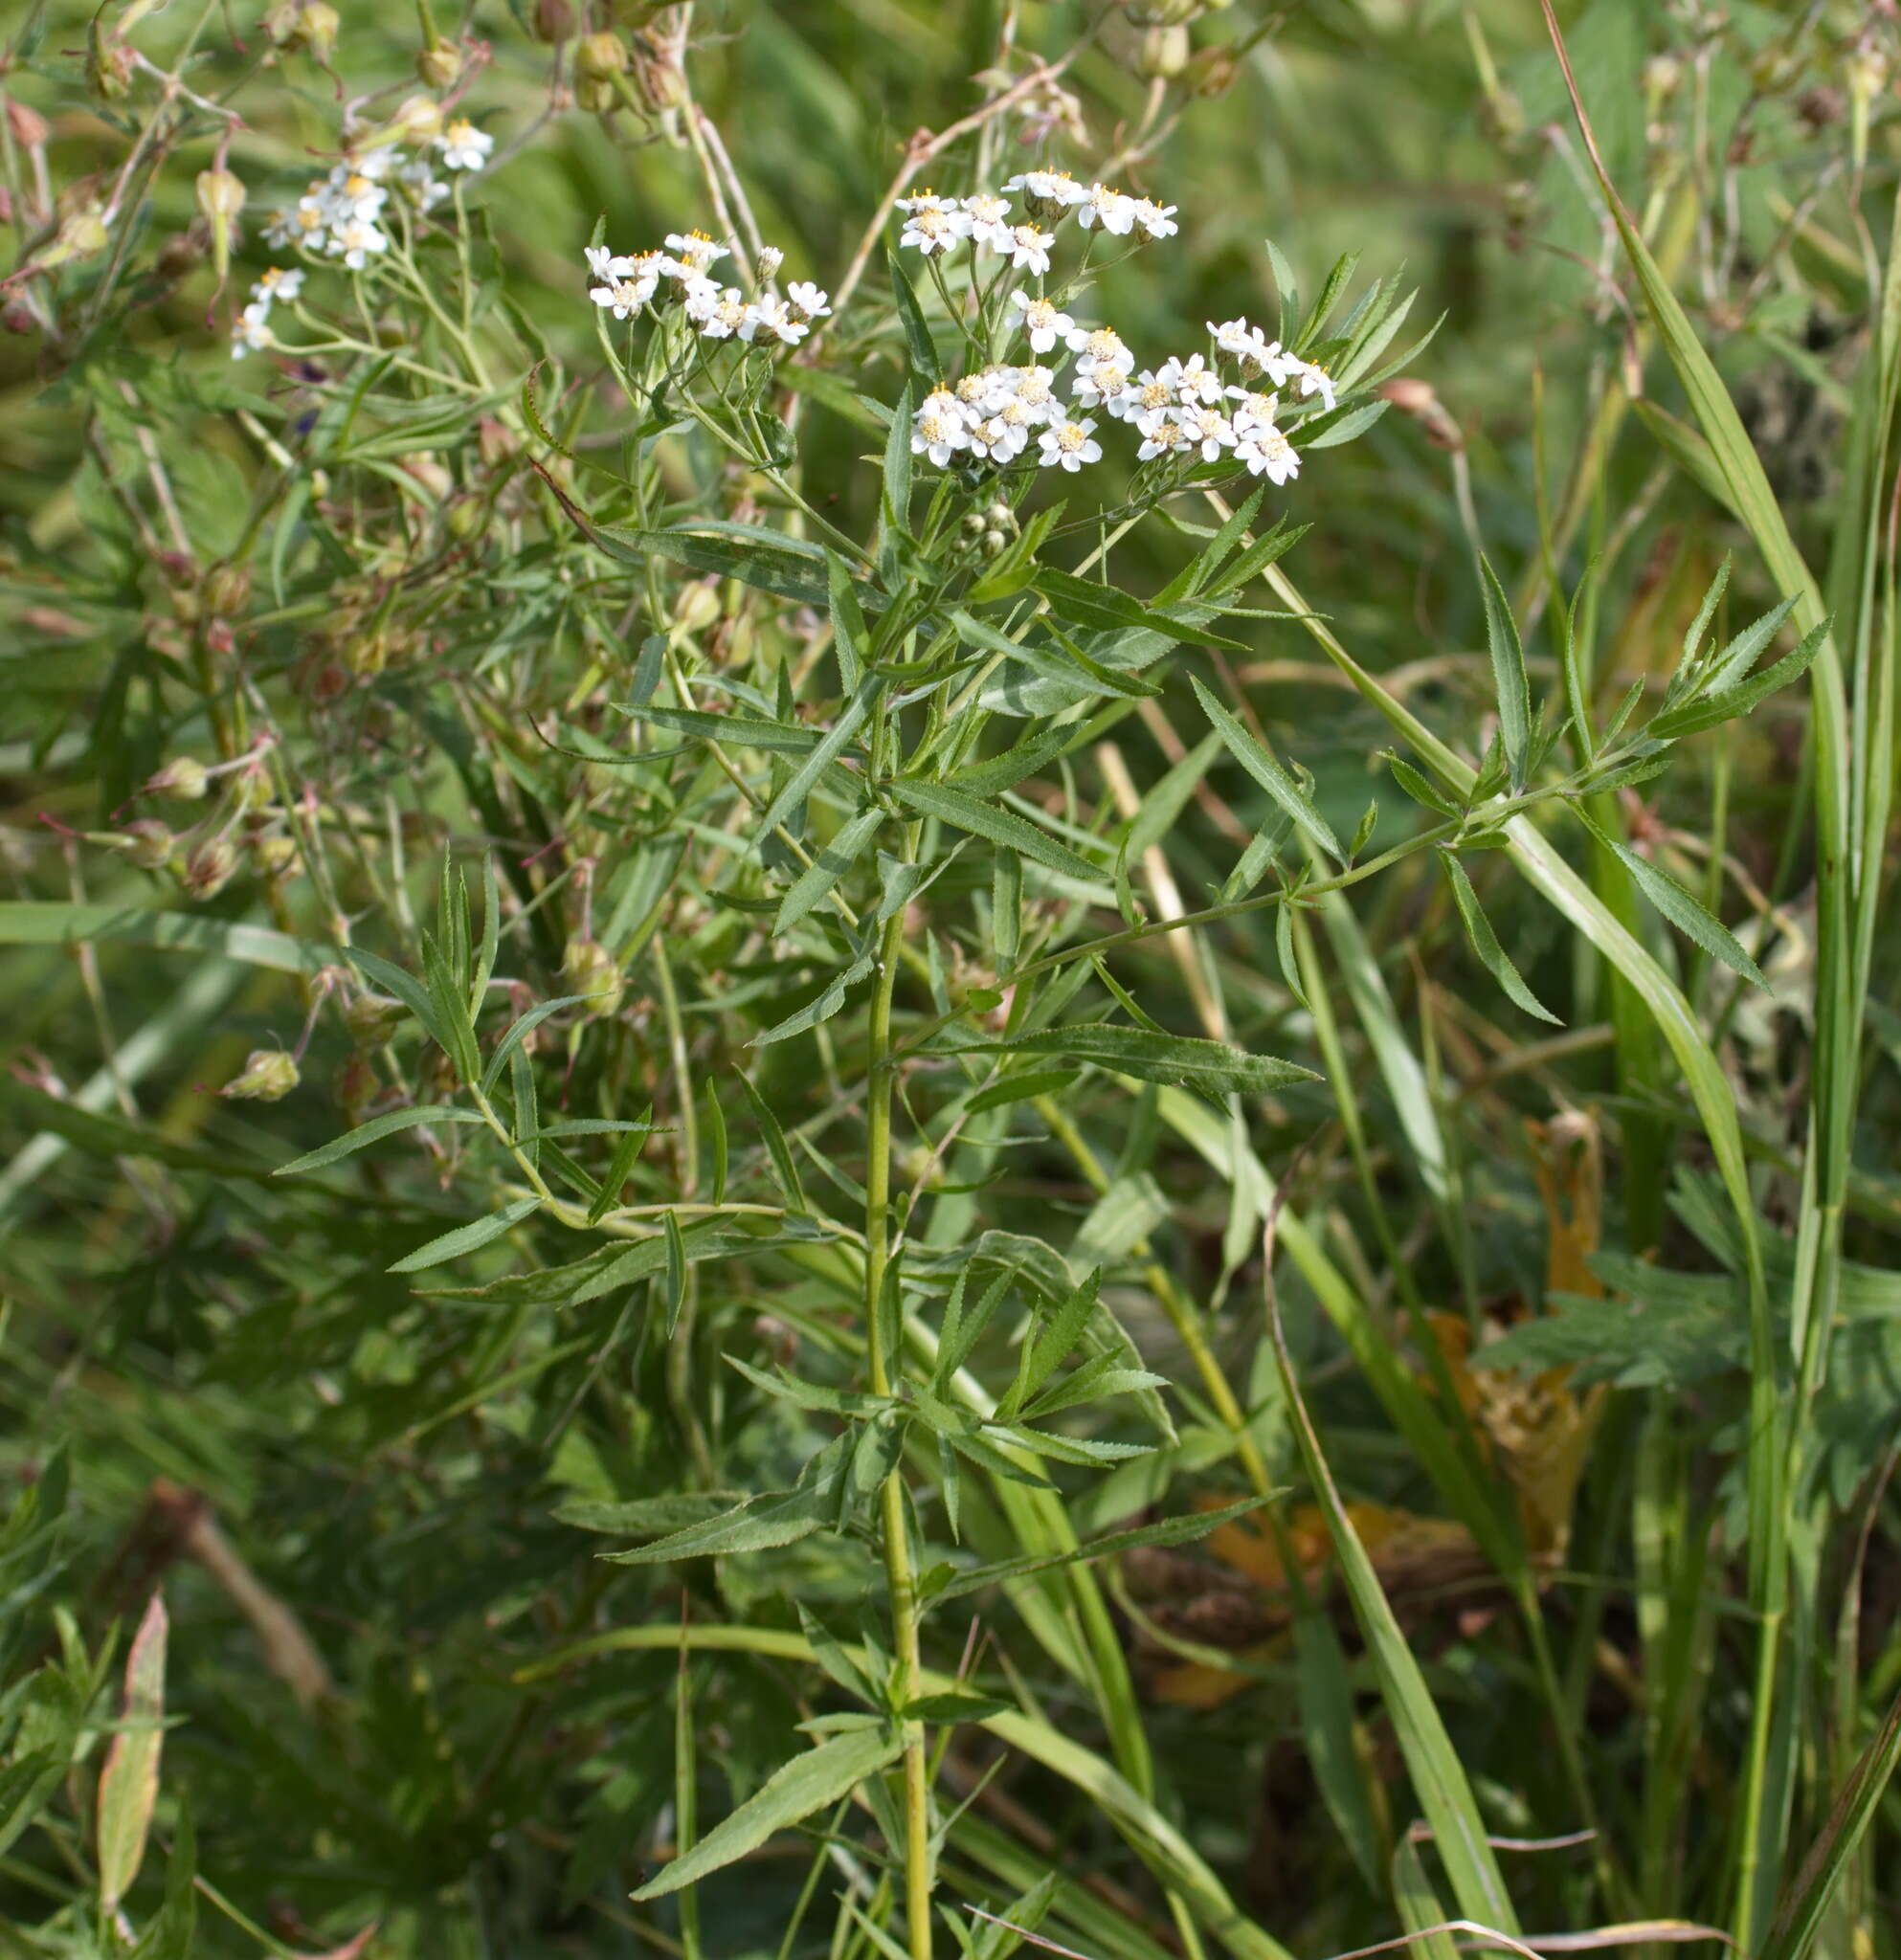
point(901, 1580)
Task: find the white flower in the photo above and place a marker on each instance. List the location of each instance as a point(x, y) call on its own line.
point(348, 195)
point(1257, 411)
point(933, 224)
point(1268, 453)
point(1156, 219)
point(1150, 401)
point(645, 271)
point(465, 147)
point(938, 430)
point(697, 251)
point(1027, 248)
point(1099, 344)
point(357, 242)
point(991, 437)
point(1016, 419)
point(1035, 388)
point(1048, 193)
point(1192, 380)
point(1209, 428)
point(249, 335)
point(278, 285)
point(981, 393)
point(1165, 438)
point(621, 297)
point(421, 186)
point(604, 265)
point(725, 316)
point(376, 164)
point(1114, 211)
point(1257, 354)
point(987, 216)
point(1069, 445)
point(302, 225)
point(699, 296)
point(1041, 320)
point(769, 320)
point(1314, 379)
point(1103, 385)
point(808, 301)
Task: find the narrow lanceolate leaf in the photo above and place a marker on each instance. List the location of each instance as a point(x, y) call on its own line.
point(1509, 679)
point(1716, 707)
point(736, 731)
point(130, 1782)
point(1497, 961)
point(1688, 915)
point(373, 1131)
point(823, 1009)
point(1182, 1060)
point(451, 1245)
point(1270, 774)
point(808, 1782)
point(968, 813)
point(833, 862)
point(798, 785)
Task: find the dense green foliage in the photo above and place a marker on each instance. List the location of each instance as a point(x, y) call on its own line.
point(772, 1190)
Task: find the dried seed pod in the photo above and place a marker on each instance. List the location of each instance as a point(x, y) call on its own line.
point(269, 1076)
point(590, 970)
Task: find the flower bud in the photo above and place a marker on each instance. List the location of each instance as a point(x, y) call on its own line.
point(269, 1076)
point(1164, 54)
point(992, 542)
point(437, 67)
point(770, 258)
point(1162, 12)
point(976, 523)
point(220, 195)
point(466, 519)
point(227, 587)
point(589, 969)
point(29, 126)
point(371, 1018)
point(276, 855)
point(208, 869)
point(1415, 399)
point(313, 27)
point(663, 86)
point(600, 57)
point(419, 119)
point(552, 21)
point(597, 97)
point(147, 843)
point(109, 66)
point(697, 606)
point(184, 779)
point(999, 517)
point(428, 470)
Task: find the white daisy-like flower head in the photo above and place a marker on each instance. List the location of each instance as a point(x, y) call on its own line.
point(347, 195)
point(807, 300)
point(465, 147)
point(1041, 319)
point(931, 223)
point(694, 250)
point(938, 430)
point(1244, 342)
point(1035, 388)
point(1152, 399)
point(1103, 385)
point(604, 265)
point(1112, 209)
point(619, 296)
point(1253, 408)
point(1047, 193)
point(421, 186)
point(1193, 379)
point(303, 225)
point(978, 394)
point(278, 283)
point(249, 333)
point(1314, 379)
point(1027, 246)
point(376, 164)
point(1268, 453)
point(989, 438)
point(770, 321)
point(1209, 428)
point(698, 297)
point(1069, 445)
point(988, 216)
point(1165, 436)
point(357, 242)
point(1156, 220)
point(1017, 419)
point(724, 316)
point(645, 271)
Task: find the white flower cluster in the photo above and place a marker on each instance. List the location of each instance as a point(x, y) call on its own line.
point(250, 331)
point(933, 224)
point(1185, 409)
point(342, 215)
point(626, 287)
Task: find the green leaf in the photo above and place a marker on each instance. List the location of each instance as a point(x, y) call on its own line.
point(1715, 707)
point(128, 1783)
point(783, 1168)
point(376, 1129)
point(739, 731)
point(466, 1237)
point(1510, 682)
point(1188, 1061)
point(1003, 827)
point(798, 785)
point(1687, 914)
point(518, 1031)
point(37, 923)
point(823, 1009)
point(917, 331)
point(1019, 1089)
point(1104, 609)
point(832, 863)
point(807, 1783)
point(1497, 961)
point(1270, 774)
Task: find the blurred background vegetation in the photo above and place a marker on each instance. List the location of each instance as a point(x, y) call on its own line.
point(362, 1496)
